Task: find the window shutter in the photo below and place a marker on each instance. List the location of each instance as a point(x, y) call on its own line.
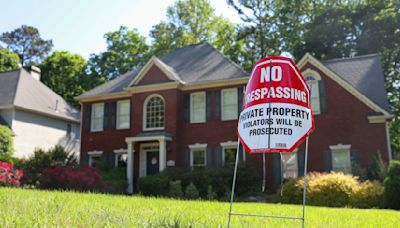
point(276, 157)
point(186, 108)
point(218, 156)
point(300, 163)
point(113, 115)
point(240, 99)
point(186, 158)
point(88, 116)
point(355, 163)
point(322, 96)
point(209, 157)
point(84, 160)
point(105, 116)
point(241, 155)
point(217, 104)
point(208, 105)
point(327, 161)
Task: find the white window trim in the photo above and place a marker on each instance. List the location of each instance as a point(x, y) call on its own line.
point(230, 145)
point(118, 152)
point(340, 147)
point(94, 153)
point(144, 120)
point(222, 104)
point(117, 121)
point(191, 107)
point(317, 77)
point(92, 118)
point(297, 164)
point(198, 146)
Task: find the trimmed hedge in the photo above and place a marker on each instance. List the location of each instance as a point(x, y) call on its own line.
point(392, 186)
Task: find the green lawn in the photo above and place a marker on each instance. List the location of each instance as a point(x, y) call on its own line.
point(33, 208)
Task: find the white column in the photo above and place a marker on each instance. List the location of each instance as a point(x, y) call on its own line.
point(163, 155)
point(129, 168)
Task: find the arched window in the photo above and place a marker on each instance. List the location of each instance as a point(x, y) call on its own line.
point(312, 79)
point(154, 113)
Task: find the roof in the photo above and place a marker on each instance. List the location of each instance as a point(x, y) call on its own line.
point(18, 88)
point(192, 64)
point(365, 74)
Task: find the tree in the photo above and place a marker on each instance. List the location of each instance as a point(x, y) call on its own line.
point(6, 144)
point(27, 43)
point(8, 60)
point(126, 49)
point(65, 74)
point(192, 22)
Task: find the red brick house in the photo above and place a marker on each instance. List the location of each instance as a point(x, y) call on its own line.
point(181, 110)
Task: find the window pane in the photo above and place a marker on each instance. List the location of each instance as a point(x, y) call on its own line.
point(97, 117)
point(198, 107)
point(289, 165)
point(341, 161)
point(229, 104)
point(199, 158)
point(123, 114)
point(229, 156)
point(155, 113)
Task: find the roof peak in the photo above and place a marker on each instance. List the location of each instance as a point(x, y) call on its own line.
point(351, 58)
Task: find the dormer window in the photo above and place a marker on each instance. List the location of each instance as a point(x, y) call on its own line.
point(154, 113)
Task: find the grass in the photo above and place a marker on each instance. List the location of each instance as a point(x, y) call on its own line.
point(34, 208)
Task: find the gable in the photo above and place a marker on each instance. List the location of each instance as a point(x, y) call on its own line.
point(154, 75)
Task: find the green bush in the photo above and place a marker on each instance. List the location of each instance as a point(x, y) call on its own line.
point(392, 186)
point(376, 168)
point(211, 195)
point(334, 190)
point(41, 159)
point(175, 189)
point(191, 192)
point(6, 144)
point(115, 179)
point(156, 185)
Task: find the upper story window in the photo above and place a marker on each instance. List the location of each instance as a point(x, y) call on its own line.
point(341, 160)
point(229, 104)
point(97, 117)
point(123, 114)
point(154, 113)
point(289, 165)
point(198, 107)
point(312, 79)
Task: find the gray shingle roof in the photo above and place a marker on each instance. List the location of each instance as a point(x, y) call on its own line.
point(193, 63)
point(365, 74)
point(20, 89)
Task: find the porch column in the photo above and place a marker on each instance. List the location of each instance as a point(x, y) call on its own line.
point(129, 168)
point(163, 155)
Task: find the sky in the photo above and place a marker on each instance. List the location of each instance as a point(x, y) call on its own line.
point(79, 26)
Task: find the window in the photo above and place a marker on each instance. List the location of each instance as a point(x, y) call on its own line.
point(94, 158)
point(229, 101)
point(154, 115)
point(312, 78)
point(229, 156)
point(289, 165)
point(123, 114)
point(97, 117)
point(120, 156)
point(198, 155)
point(341, 161)
point(69, 130)
point(198, 107)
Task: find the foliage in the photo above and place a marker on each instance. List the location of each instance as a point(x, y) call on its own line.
point(376, 169)
point(40, 159)
point(65, 74)
point(38, 208)
point(175, 189)
point(156, 185)
point(8, 60)
point(115, 179)
point(69, 177)
point(191, 191)
point(367, 194)
point(392, 186)
point(27, 43)
point(126, 49)
point(6, 143)
point(9, 176)
point(334, 190)
point(192, 22)
point(211, 195)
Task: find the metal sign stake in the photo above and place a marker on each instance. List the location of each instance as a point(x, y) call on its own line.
point(305, 182)
point(234, 182)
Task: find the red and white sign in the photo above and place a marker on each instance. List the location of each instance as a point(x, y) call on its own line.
point(277, 107)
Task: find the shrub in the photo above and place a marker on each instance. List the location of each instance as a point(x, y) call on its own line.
point(368, 194)
point(392, 186)
point(376, 169)
point(156, 185)
point(71, 178)
point(175, 189)
point(292, 191)
point(191, 192)
point(211, 195)
point(36, 163)
point(115, 180)
point(9, 176)
point(6, 144)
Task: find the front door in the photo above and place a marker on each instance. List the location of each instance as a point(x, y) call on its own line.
point(152, 163)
